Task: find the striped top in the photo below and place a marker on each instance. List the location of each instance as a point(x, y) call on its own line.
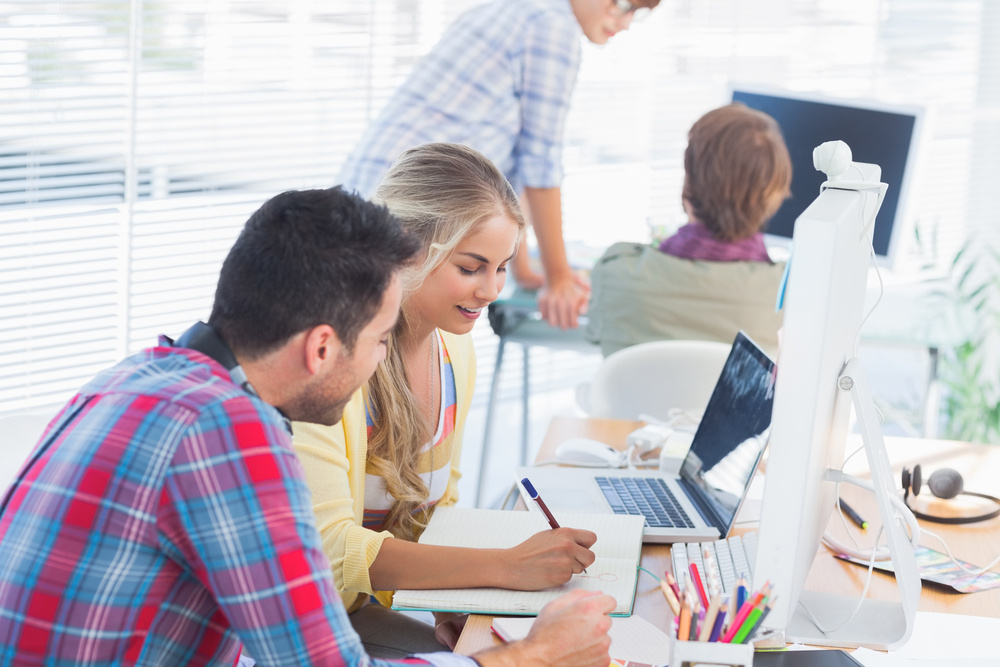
point(694, 241)
point(162, 520)
point(435, 456)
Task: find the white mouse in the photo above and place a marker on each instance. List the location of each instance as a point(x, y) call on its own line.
point(589, 453)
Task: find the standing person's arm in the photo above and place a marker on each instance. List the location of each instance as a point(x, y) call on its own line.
point(550, 61)
point(564, 296)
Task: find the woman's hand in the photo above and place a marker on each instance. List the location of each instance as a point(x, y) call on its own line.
point(549, 558)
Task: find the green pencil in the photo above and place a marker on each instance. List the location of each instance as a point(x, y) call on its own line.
point(747, 626)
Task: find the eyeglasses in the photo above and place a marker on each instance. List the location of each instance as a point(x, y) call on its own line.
point(624, 8)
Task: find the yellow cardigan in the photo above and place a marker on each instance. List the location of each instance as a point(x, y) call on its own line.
point(334, 461)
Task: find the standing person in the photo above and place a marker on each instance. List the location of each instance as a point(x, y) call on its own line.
point(380, 472)
point(714, 276)
point(163, 518)
point(500, 80)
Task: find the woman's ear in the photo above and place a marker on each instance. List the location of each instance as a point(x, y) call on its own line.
point(322, 346)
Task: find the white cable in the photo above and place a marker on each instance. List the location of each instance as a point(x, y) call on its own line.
point(677, 419)
point(878, 274)
point(628, 457)
point(977, 571)
point(861, 599)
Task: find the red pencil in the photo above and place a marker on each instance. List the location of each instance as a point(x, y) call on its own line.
point(734, 627)
point(673, 584)
point(698, 586)
point(744, 611)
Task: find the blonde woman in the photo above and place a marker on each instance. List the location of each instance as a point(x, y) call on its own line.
point(378, 475)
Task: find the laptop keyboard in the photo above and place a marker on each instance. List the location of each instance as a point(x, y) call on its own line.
point(730, 559)
point(644, 496)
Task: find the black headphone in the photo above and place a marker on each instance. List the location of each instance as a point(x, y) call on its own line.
point(944, 483)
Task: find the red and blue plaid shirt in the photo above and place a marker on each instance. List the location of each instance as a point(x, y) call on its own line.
point(162, 520)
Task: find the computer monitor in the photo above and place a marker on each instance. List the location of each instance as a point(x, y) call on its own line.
point(888, 136)
point(824, 303)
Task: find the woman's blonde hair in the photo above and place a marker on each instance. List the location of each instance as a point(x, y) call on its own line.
point(441, 192)
point(737, 171)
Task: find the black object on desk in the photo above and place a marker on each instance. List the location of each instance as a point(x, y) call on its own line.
point(817, 658)
point(852, 515)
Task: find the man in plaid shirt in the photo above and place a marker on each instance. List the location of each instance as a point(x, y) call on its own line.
point(163, 518)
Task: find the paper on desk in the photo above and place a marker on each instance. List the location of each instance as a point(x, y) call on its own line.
point(870, 658)
point(951, 638)
point(633, 639)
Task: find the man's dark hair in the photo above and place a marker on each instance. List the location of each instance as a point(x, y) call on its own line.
point(303, 259)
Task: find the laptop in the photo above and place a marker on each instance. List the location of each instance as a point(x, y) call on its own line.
point(701, 501)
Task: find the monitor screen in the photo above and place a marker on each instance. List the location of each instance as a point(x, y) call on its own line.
point(877, 134)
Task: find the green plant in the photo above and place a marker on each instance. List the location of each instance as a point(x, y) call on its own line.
point(970, 372)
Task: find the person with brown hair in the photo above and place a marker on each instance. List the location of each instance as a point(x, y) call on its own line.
point(378, 475)
point(737, 172)
point(713, 277)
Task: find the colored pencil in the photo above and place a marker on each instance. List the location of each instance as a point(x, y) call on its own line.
point(699, 587)
point(744, 631)
point(668, 593)
point(684, 627)
point(710, 616)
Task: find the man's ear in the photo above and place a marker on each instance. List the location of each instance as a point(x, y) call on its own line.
point(322, 346)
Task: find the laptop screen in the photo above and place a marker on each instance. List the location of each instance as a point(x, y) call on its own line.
point(732, 434)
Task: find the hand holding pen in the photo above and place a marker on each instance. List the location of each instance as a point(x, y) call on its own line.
point(583, 538)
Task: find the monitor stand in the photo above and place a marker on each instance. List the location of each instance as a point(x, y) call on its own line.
point(878, 624)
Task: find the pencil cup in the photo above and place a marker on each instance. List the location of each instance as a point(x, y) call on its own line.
point(688, 654)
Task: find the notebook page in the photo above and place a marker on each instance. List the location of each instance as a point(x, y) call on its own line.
point(616, 577)
point(617, 536)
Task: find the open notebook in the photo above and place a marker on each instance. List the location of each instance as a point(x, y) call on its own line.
point(615, 572)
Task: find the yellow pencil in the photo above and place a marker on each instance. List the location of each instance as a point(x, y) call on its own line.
point(710, 616)
point(668, 593)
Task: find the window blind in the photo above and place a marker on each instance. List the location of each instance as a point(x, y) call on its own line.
point(137, 135)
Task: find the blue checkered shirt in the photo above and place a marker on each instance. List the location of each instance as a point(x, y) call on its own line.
point(500, 81)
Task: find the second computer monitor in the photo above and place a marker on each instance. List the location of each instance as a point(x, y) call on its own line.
point(877, 133)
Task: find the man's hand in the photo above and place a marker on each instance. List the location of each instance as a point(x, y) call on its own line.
point(448, 627)
point(548, 558)
point(562, 301)
point(570, 632)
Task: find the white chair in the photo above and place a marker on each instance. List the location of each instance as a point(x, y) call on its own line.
point(19, 433)
point(516, 319)
point(653, 378)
